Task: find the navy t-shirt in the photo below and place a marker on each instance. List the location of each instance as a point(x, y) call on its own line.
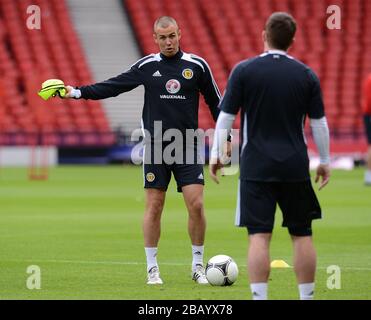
point(275, 93)
point(172, 89)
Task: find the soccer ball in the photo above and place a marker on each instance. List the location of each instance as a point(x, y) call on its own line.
point(221, 270)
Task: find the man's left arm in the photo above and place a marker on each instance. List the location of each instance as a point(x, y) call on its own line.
point(229, 106)
point(211, 93)
point(209, 89)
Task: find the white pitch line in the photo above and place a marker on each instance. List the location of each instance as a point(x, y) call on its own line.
point(143, 263)
point(89, 262)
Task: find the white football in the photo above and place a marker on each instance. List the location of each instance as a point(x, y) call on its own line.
point(221, 270)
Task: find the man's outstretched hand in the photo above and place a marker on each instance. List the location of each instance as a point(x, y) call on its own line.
point(68, 95)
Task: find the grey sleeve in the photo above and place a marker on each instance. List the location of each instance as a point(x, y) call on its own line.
point(222, 131)
point(321, 137)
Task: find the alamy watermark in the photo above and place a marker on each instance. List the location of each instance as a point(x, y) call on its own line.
point(34, 17)
point(334, 20)
point(334, 280)
point(34, 280)
point(174, 146)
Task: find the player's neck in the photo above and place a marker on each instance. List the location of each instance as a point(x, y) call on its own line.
point(177, 55)
point(277, 51)
point(268, 48)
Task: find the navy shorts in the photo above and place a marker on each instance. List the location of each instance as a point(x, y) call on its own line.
point(367, 120)
point(159, 175)
point(257, 202)
point(187, 168)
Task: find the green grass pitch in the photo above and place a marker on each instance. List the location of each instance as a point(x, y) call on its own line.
point(82, 228)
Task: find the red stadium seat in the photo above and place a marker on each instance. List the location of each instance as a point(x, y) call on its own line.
point(223, 32)
point(226, 39)
point(321, 49)
point(27, 58)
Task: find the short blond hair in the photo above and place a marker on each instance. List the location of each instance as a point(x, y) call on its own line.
point(164, 22)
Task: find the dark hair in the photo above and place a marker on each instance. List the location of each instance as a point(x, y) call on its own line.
point(280, 29)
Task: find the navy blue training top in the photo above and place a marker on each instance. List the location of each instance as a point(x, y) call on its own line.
point(275, 93)
point(172, 89)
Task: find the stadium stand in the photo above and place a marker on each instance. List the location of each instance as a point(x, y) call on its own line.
point(30, 56)
point(109, 51)
point(224, 32)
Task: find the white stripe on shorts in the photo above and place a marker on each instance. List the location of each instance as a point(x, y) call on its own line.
point(238, 207)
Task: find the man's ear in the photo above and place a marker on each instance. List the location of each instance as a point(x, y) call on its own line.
point(179, 34)
point(264, 36)
point(155, 38)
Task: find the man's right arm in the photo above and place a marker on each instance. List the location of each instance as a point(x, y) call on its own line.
point(229, 106)
point(109, 88)
point(321, 137)
point(320, 131)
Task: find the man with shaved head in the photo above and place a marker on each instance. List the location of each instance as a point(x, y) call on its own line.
point(172, 80)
